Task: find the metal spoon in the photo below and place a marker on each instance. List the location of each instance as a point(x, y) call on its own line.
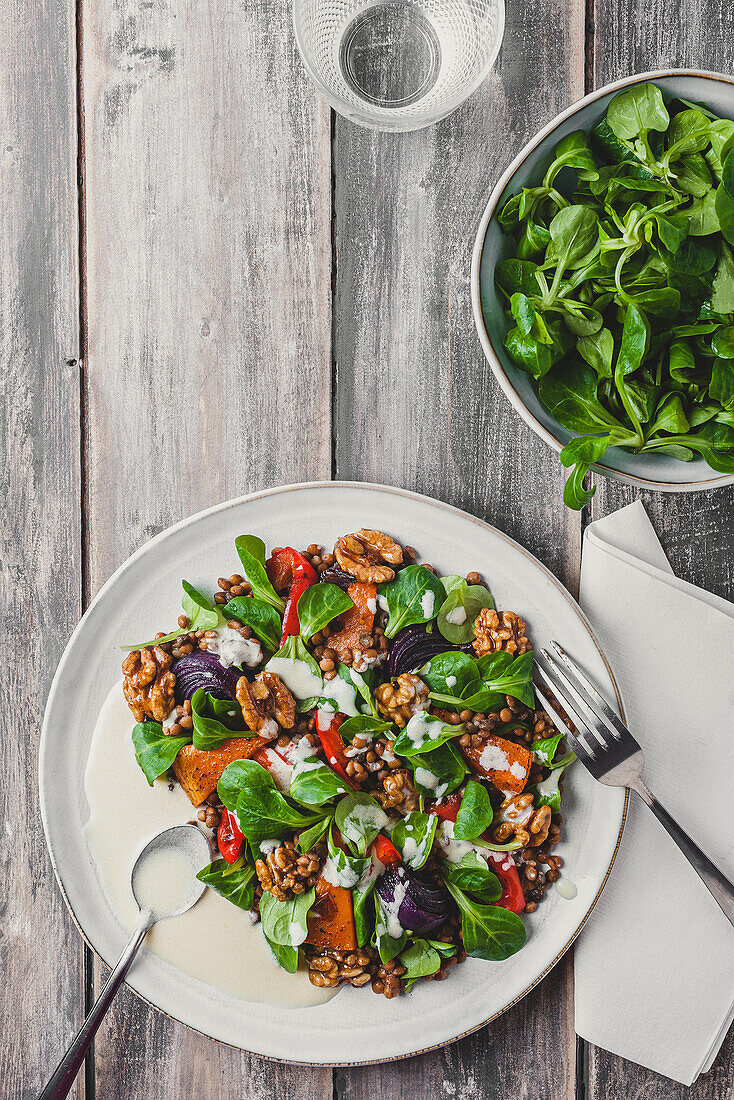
point(185, 840)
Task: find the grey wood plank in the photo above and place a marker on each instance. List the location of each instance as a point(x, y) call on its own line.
point(527, 1053)
point(696, 529)
point(209, 276)
point(417, 406)
point(42, 991)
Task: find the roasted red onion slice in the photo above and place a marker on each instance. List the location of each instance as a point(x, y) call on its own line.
point(204, 670)
point(422, 903)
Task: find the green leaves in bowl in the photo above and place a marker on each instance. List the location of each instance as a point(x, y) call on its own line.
point(620, 285)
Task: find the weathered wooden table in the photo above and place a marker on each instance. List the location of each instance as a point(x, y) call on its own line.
point(209, 285)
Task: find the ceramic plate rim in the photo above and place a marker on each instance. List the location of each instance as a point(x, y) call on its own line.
point(233, 503)
point(715, 482)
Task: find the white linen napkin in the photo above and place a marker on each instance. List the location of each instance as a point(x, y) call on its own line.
point(655, 966)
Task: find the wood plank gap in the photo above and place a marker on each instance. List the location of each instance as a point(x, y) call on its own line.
point(334, 260)
point(82, 247)
point(90, 1086)
point(582, 1068)
point(589, 31)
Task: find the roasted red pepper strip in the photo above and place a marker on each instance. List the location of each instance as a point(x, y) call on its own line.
point(229, 837)
point(385, 851)
point(303, 576)
point(333, 746)
point(504, 867)
point(448, 809)
point(502, 863)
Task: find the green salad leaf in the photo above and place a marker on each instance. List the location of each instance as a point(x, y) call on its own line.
point(314, 783)
point(261, 617)
point(234, 881)
point(413, 836)
point(359, 819)
point(489, 931)
point(424, 733)
point(459, 611)
point(318, 605)
point(388, 946)
point(415, 596)
point(248, 790)
point(215, 720)
point(420, 959)
point(251, 552)
point(286, 922)
point(438, 772)
point(472, 875)
point(475, 812)
point(154, 751)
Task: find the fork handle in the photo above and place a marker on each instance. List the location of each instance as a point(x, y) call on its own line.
point(714, 879)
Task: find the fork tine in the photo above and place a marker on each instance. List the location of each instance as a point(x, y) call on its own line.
point(567, 675)
point(584, 681)
point(582, 726)
point(579, 747)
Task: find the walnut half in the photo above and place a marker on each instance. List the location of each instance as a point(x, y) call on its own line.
point(368, 555)
point(495, 631)
point(265, 702)
point(400, 699)
point(148, 683)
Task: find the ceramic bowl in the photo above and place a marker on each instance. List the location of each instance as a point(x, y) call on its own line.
point(647, 471)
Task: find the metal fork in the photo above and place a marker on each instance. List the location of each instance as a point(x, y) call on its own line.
point(608, 750)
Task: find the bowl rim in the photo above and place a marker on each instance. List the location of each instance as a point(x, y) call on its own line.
point(491, 356)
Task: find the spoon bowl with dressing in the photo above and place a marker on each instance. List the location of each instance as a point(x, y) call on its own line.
point(164, 885)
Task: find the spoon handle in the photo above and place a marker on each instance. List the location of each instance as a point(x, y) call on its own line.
point(65, 1073)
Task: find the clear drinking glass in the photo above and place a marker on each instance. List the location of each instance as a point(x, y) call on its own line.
point(398, 64)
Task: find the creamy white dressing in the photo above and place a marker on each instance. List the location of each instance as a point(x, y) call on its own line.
point(549, 785)
point(369, 815)
point(170, 719)
point(165, 881)
point(343, 694)
point(457, 617)
point(430, 781)
point(269, 845)
point(513, 813)
point(303, 683)
point(232, 649)
point(566, 889)
point(391, 922)
point(494, 759)
point(346, 876)
point(418, 729)
point(280, 770)
point(215, 941)
point(414, 852)
point(297, 677)
point(304, 759)
point(324, 718)
point(454, 850)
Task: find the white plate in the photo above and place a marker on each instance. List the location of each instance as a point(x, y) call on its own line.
point(356, 1026)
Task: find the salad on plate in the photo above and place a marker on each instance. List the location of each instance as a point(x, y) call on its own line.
point(360, 739)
